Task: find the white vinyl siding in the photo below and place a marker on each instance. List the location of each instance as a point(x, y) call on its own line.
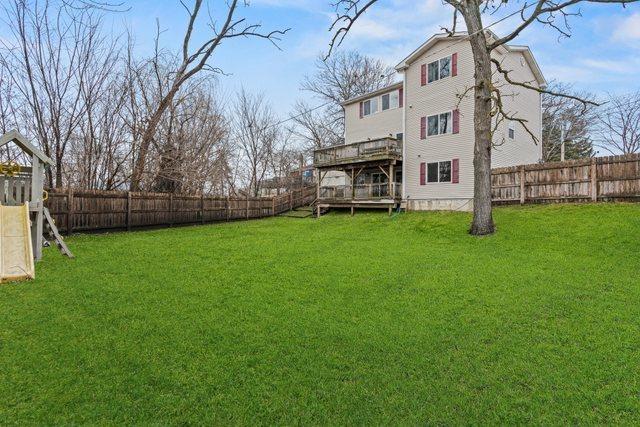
point(382, 124)
point(513, 144)
point(432, 101)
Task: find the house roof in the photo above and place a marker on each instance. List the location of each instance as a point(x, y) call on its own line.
point(413, 56)
point(396, 85)
point(22, 142)
point(526, 52)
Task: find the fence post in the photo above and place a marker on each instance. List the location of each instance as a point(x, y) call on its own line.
point(290, 200)
point(171, 210)
point(227, 208)
point(273, 206)
point(202, 208)
point(129, 208)
point(70, 211)
point(594, 180)
point(247, 205)
point(522, 189)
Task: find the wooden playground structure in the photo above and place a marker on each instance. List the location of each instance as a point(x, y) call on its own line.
point(23, 185)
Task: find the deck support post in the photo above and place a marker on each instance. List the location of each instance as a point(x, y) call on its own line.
point(392, 182)
point(353, 186)
point(353, 209)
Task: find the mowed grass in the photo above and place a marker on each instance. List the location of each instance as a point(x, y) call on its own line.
point(363, 320)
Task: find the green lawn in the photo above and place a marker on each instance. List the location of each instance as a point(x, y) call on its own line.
point(367, 320)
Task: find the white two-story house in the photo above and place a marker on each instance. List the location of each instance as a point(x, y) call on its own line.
point(412, 143)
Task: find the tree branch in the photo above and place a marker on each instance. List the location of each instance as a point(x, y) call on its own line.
point(585, 102)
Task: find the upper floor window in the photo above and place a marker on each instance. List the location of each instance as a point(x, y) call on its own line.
point(439, 69)
point(512, 130)
point(439, 124)
point(390, 100)
point(387, 101)
point(370, 106)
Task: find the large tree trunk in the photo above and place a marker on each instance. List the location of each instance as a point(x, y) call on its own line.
point(482, 215)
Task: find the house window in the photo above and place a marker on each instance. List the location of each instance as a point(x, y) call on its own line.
point(439, 171)
point(394, 99)
point(445, 67)
point(385, 102)
point(512, 130)
point(370, 106)
point(432, 125)
point(439, 69)
point(445, 171)
point(445, 123)
point(432, 172)
point(390, 100)
point(399, 136)
point(433, 72)
point(439, 124)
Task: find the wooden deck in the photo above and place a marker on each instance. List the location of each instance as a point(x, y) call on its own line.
point(378, 150)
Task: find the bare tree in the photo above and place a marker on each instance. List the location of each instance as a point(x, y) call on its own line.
point(488, 108)
point(284, 159)
point(193, 61)
point(568, 119)
point(48, 63)
point(191, 142)
point(255, 131)
point(315, 126)
point(338, 78)
point(619, 125)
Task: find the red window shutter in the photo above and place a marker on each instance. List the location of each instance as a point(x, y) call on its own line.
point(454, 64)
point(423, 127)
point(400, 97)
point(455, 171)
point(423, 75)
point(361, 109)
point(423, 173)
point(456, 121)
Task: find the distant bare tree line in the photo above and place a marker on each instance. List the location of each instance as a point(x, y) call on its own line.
point(587, 130)
point(113, 120)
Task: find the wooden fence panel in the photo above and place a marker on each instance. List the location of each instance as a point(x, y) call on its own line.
point(84, 210)
point(602, 178)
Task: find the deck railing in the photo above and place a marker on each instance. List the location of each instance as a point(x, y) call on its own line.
point(377, 149)
point(361, 192)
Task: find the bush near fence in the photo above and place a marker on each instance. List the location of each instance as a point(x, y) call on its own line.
point(612, 178)
point(95, 210)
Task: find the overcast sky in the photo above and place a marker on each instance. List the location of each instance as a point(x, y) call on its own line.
point(603, 54)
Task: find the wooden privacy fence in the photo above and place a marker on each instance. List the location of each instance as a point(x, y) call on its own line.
point(94, 210)
point(613, 178)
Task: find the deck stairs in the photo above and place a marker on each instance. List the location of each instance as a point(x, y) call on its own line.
point(305, 211)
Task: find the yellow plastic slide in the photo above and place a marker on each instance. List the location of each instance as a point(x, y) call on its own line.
point(16, 253)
